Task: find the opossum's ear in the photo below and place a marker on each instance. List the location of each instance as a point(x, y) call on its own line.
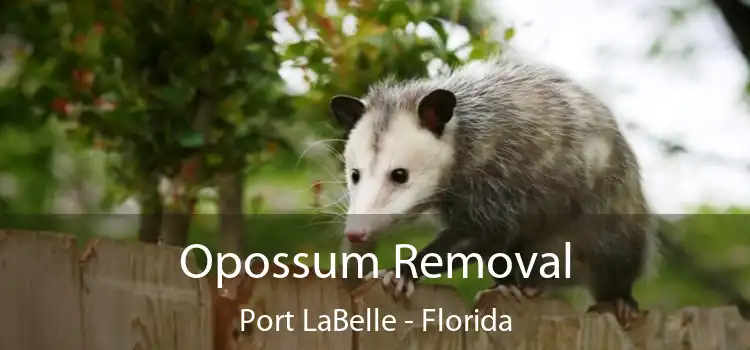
point(436, 109)
point(346, 110)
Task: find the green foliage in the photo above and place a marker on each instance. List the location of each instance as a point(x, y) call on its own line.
point(719, 240)
point(384, 44)
point(133, 78)
point(136, 79)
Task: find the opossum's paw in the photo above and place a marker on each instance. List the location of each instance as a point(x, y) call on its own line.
point(403, 286)
point(625, 311)
point(510, 292)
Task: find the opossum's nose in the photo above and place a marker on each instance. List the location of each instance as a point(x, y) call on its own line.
point(355, 236)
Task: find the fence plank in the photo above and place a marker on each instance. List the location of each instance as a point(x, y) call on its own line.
point(586, 332)
point(39, 292)
point(411, 332)
point(526, 316)
point(712, 328)
point(652, 331)
point(136, 296)
point(274, 296)
point(123, 295)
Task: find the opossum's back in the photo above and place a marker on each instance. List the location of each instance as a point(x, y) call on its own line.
point(517, 102)
point(533, 127)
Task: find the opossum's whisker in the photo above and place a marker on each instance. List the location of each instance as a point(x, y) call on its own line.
point(322, 223)
point(329, 208)
point(335, 202)
point(326, 183)
point(335, 153)
point(329, 182)
point(332, 214)
point(316, 143)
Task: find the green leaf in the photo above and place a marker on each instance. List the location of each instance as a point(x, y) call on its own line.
point(510, 32)
point(175, 96)
point(375, 40)
point(222, 31)
point(437, 25)
point(192, 139)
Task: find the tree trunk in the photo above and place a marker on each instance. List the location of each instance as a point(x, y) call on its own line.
point(231, 218)
point(176, 222)
point(152, 210)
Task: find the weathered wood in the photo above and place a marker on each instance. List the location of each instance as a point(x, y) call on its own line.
point(273, 296)
point(136, 296)
point(709, 328)
point(651, 331)
point(40, 306)
point(411, 332)
point(586, 332)
point(122, 295)
point(525, 315)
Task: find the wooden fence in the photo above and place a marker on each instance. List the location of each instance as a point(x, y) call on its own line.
point(113, 295)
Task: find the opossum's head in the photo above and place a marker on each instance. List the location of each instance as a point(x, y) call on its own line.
point(396, 157)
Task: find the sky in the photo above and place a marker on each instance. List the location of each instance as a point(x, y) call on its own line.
point(696, 101)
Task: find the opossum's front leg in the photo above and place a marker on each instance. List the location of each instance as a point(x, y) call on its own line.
point(513, 286)
point(446, 242)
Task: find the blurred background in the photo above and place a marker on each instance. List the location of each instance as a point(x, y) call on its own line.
point(143, 120)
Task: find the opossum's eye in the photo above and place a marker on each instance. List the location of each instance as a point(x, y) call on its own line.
point(400, 175)
point(355, 176)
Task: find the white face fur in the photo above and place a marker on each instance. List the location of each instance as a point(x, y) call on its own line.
point(404, 171)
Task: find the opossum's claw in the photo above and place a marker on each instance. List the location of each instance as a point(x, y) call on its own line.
point(625, 312)
point(402, 285)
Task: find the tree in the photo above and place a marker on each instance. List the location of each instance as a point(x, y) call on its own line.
point(182, 90)
point(189, 91)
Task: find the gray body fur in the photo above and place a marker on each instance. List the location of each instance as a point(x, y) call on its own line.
point(525, 176)
point(538, 161)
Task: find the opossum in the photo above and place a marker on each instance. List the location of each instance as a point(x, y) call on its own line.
point(514, 158)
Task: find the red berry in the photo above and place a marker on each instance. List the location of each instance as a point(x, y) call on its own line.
point(326, 23)
point(99, 28)
point(251, 22)
point(60, 105)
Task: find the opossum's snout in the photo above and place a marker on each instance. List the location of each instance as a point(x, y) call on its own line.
point(361, 227)
point(372, 207)
point(356, 236)
point(380, 203)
